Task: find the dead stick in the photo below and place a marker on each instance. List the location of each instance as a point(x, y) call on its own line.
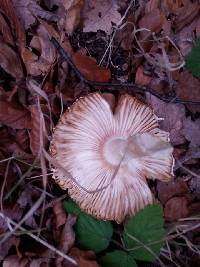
point(136, 88)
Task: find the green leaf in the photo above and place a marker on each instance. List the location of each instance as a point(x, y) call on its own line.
point(118, 258)
point(193, 60)
point(144, 229)
point(90, 233)
point(71, 207)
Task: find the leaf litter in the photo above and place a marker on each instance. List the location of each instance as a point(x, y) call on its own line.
point(147, 43)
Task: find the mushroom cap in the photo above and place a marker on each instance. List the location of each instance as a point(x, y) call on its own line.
point(103, 158)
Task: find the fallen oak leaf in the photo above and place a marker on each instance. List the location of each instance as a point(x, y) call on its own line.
point(99, 15)
point(89, 68)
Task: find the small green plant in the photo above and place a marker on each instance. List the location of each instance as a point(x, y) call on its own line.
point(142, 236)
point(193, 60)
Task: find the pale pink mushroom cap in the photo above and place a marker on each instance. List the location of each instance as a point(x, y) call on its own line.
point(109, 156)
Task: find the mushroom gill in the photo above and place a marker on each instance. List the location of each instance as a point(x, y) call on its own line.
point(110, 155)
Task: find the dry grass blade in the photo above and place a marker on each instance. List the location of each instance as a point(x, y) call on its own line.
point(52, 248)
point(146, 247)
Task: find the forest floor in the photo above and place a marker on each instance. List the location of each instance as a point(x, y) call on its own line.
point(152, 50)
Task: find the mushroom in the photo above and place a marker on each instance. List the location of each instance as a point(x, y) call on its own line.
point(103, 157)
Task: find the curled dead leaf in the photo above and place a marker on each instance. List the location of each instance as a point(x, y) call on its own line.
point(5, 31)
point(38, 130)
point(9, 10)
point(84, 258)
point(67, 238)
point(13, 115)
point(185, 14)
point(89, 68)
point(14, 260)
point(168, 190)
point(177, 207)
point(59, 214)
point(10, 62)
point(41, 64)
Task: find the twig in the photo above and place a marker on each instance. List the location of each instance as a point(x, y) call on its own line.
point(133, 86)
point(187, 170)
point(41, 241)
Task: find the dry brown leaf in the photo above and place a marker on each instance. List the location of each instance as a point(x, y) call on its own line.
point(31, 62)
point(191, 131)
point(141, 78)
point(7, 7)
point(22, 138)
point(28, 11)
point(15, 261)
point(153, 21)
point(84, 258)
point(60, 216)
point(198, 28)
point(5, 31)
point(151, 5)
point(14, 115)
point(67, 238)
point(27, 197)
point(173, 115)
point(176, 208)
point(99, 15)
point(188, 88)
point(37, 65)
point(89, 68)
point(72, 18)
point(53, 33)
point(185, 14)
point(10, 62)
point(36, 126)
point(168, 190)
point(185, 37)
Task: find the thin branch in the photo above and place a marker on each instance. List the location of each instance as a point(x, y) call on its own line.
point(132, 86)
